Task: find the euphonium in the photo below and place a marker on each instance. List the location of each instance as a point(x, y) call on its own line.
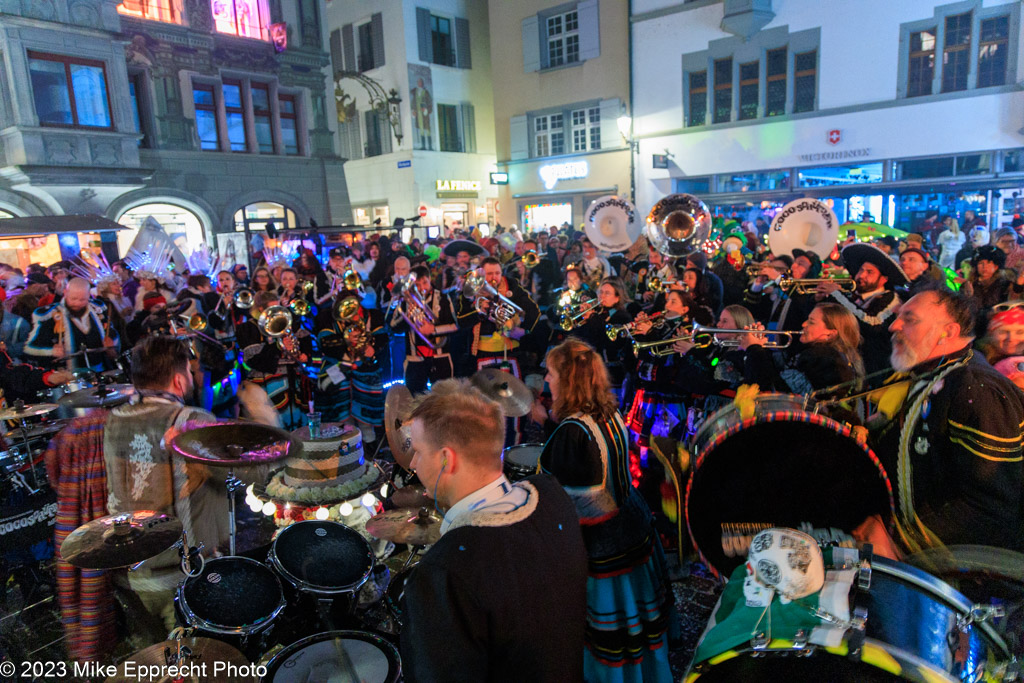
point(244, 298)
point(502, 311)
point(276, 323)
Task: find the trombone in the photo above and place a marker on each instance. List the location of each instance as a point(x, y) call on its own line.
point(810, 285)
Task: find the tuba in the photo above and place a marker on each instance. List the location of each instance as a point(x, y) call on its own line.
point(502, 311)
point(678, 225)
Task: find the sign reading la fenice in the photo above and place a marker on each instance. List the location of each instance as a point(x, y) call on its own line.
point(458, 185)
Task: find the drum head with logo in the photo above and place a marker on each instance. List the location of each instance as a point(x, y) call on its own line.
point(322, 557)
point(336, 656)
point(783, 469)
point(232, 595)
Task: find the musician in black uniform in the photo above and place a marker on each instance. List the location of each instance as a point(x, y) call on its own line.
point(608, 310)
point(71, 326)
point(426, 359)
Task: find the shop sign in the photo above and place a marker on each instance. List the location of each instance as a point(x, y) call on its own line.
point(499, 178)
point(570, 170)
point(862, 153)
point(458, 185)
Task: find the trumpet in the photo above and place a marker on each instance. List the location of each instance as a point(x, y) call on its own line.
point(781, 339)
point(657, 285)
point(530, 259)
point(757, 269)
point(501, 310)
point(244, 298)
point(810, 285)
point(616, 331)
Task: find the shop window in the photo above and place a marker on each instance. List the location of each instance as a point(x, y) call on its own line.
point(1013, 161)
point(839, 175)
point(69, 91)
point(723, 91)
point(805, 81)
point(973, 164)
point(245, 18)
point(944, 167)
point(183, 226)
point(775, 85)
point(921, 63)
point(697, 111)
point(697, 186)
point(155, 10)
point(749, 82)
point(752, 182)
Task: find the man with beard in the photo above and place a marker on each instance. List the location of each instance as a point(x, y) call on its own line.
point(874, 303)
point(71, 326)
point(953, 446)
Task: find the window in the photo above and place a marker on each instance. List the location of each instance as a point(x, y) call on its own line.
point(68, 91)
point(378, 134)
point(750, 182)
point(441, 41)
point(839, 175)
point(235, 116)
point(366, 47)
point(749, 81)
point(775, 89)
point(921, 63)
point(448, 128)
point(262, 118)
point(698, 109)
point(805, 70)
point(563, 39)
point(240, 18)
point(956, 53)
point(135, 93)
point(586, 126)
point(206, 117)
point(992, 50)
point(289, 127)
point(595, 127)
point(549, 136)
point(157, 10)
point(944, 167)
point(723, 91)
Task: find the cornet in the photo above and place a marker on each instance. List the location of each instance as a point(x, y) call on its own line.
point(810, 285)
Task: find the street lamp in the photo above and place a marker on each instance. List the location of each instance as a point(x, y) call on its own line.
point(625, 124)
point(386, 103)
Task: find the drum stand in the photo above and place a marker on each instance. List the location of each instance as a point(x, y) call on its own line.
point(233, 485)
point(28, 455)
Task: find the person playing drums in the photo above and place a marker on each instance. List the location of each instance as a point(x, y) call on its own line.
point(501, 596)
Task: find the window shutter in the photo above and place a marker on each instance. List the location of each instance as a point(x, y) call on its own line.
point(348, 43)
point(351, 140)
point(610, 112)
point(590, 30)
point(337, 58)
point(423, 34)
point(468, 129)
point(377, 31)
point(519, 138)
point(531, 44)
point(462, 56)
point(385, 133)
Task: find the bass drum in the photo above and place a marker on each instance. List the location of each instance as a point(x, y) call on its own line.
point(916, 628)
point(781, 467)
point(336, 656)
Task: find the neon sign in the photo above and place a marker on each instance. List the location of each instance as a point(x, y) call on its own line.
point(570, 170)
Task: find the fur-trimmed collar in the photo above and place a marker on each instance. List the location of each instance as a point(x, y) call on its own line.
point(495, 519)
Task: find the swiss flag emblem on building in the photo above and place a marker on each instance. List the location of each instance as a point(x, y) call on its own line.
point(834, 136)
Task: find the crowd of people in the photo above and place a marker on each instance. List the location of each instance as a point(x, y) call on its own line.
point(918, 344)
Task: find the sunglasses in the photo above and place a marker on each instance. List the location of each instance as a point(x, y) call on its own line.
point(1008, 305)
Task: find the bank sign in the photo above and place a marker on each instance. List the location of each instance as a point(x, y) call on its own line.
point(570, 170)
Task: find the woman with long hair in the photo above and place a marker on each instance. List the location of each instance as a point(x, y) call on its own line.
point(609, 309)
point(263, 280)
point(629, 603)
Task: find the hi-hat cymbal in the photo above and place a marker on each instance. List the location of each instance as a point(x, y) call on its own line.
point(406, 525)
point(514, 397)
point(189, 653)
point(236, 444)
point(36, 410)
point(414, 496)
point(120, 540)
point(104, 396)
point(397, 406)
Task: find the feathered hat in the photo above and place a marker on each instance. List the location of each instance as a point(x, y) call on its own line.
point(93, 267)
point(151, 264)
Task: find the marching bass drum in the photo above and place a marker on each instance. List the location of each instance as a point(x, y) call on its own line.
point(783, 467)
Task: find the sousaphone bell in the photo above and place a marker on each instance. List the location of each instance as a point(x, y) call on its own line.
point(678, 225)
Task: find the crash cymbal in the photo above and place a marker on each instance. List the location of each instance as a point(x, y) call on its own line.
point(189, 653)
point(104, 396)
point(120, 540)
point(514, 396)
point(18, 412)
point(406, 525)
point(236, 444)
point(37, 431)
point(397, 406)
point(414, 496)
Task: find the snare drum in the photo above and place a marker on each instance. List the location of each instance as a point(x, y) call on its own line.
point(782, 467)
point(521, 461)
point(916, 628)
point(232, 596)
point(336, 656)
point(326, 559)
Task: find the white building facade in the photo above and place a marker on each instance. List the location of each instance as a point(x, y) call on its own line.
point(435, 55)
point(889, 109)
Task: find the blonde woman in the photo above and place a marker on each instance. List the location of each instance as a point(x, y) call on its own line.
point(950, 241)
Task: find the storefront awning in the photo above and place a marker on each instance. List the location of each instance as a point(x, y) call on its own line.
point(45, 225)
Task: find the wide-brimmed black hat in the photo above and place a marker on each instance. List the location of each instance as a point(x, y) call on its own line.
point(990, 253)
point(455, 246)
point(859, 253)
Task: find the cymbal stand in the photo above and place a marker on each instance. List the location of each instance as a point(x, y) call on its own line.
point(19, 404)
point(233, 485)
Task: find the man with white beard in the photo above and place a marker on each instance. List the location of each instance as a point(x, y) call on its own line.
point(953, 447)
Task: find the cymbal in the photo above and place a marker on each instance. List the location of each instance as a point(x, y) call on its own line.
point(414, 496)
point(406, 525)
point(194, 652)
point(104, 396)
point(235, 444)
point(397, 407)
point(120, 540)
point(514, 396)
point(35, 431)
point(36, 410)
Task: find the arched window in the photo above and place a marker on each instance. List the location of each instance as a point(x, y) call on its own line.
point(183, 226)
point(256, 216)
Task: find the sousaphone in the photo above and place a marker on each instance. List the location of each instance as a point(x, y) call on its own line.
point(807, 224)
point(611, 223)
point(678, 225)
